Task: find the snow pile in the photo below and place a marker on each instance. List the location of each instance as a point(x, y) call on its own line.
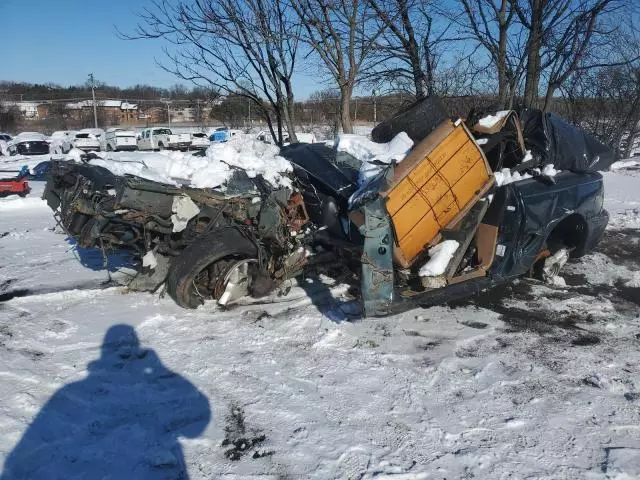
point(209, 171)
point(241, 152)
point(622, 164)
point(374, 156)
point(549, 170)
point(439, 258)
point(506, 176)
point(490, 120)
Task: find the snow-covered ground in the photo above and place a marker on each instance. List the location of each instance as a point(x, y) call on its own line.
point(530, 381)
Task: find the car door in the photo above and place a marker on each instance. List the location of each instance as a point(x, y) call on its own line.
point(144, 140)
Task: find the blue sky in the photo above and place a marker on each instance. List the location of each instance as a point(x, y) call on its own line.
point(62, 41)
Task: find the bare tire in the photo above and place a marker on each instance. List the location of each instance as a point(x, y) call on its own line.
point(200, 272)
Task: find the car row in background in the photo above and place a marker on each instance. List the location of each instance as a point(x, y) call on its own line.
point(62, 142)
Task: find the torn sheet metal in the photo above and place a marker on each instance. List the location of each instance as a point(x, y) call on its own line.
point(377, 259)
point(183, 210)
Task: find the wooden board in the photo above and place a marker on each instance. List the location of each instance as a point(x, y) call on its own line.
point(438, 182)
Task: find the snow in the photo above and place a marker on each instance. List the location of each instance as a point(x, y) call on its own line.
point(622, 164)
point(4, 148)
point(490, 120)
point(439, 258)
point(374, 156)
point(531, 381)
point(506, 176)
point(212, 170)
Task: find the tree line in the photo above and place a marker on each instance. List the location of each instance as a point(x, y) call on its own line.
point(534, 53)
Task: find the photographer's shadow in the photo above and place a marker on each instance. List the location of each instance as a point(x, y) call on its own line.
point(122, 421)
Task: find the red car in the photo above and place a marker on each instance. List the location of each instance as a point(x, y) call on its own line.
point(14, 185)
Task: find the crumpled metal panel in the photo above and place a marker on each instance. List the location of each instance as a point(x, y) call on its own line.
point(377, 259)
point(533, 209)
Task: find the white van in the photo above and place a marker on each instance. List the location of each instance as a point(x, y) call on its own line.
point(116, 139)
point(161, 138)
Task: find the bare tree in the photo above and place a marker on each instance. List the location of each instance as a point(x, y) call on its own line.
point(343, 34)
point(491, 25)
point(407, 47)
point(242, 47)
point(565, 36)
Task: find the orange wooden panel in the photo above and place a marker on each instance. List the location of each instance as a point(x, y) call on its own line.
point(422, 173)
point(445, 209)
point(473, 181)
point(400, 195)
point(410, 213)
point(435, 189)
point(424, 231)
point(446, 149)
point(465, 158)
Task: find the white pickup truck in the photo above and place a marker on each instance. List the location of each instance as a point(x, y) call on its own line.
point(163, 139)
point(117, 139)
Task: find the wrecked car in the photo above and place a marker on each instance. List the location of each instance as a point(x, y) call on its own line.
point(470, 207)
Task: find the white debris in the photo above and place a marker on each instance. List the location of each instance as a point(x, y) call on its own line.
point(183, 210)
point(506, 176)
point(490, 120)
point(76, 154)
point(481, 141)
point(149, 260)
point(439, 258)
point(373, 154)
point(527, 156)
point(550, 171)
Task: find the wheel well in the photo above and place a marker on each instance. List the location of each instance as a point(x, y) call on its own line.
point(571, 232)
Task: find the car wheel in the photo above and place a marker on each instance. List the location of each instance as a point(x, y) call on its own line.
point(219, 266)
point(160, 146)
point(109, 149)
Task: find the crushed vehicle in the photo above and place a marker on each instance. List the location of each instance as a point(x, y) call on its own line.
point(467, 209)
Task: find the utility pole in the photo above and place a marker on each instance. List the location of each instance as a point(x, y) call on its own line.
point(249, 103)
point(375, 107)
point(93, 94)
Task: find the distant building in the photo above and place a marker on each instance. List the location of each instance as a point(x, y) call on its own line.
point(28, 110)
point(114, 112)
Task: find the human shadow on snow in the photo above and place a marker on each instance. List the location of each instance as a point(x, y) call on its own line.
point(122, 421)
point(94, 259)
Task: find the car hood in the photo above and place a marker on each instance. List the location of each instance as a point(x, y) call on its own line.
point(334, 172)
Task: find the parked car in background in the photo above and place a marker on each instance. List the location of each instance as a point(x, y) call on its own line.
point(39, 172)
point(199, 141)
point(95, 132)
point(5, 137)
point(86, 141)
point(61, 141)
point(163, 139)
point(265, 137)
point(223, 134)
point(29, 143)
point(116, 139)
